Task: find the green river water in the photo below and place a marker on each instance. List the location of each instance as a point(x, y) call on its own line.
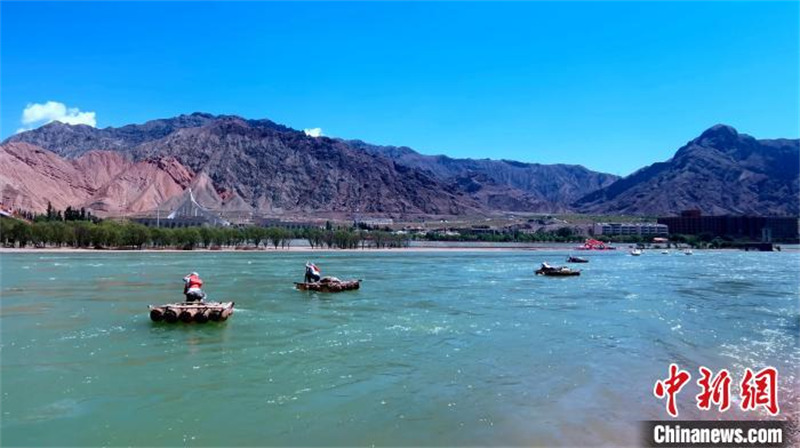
point(444, 348)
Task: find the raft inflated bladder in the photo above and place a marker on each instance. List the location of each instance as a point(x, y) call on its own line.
point(187, 312)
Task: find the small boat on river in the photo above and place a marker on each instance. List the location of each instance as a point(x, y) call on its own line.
point(592, 244)
point(187, 312)
point(572, 259)
point(329, 284)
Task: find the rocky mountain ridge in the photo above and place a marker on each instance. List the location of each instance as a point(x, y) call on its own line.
point(106, 182)
point(251, 165)
point(719, 172)
point(270, 169)
point(557, 184)
point(258, 165)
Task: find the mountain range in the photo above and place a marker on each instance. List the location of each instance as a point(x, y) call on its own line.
point(234, 164)
point(720, 172)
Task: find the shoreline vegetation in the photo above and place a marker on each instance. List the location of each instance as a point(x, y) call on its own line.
point(77, 230)
point(296, 249)
point(114, 235)
point(80, 231)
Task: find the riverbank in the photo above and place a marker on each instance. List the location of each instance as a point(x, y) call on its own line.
point(416, 246)
point(71, 250)
point(301, 249)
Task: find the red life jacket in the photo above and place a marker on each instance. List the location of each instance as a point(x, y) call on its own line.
point(194, 282)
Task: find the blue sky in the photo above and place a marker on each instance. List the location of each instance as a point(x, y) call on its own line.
point(611, 86)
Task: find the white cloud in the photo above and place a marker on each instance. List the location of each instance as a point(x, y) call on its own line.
point(36, 114)
point(313, 132)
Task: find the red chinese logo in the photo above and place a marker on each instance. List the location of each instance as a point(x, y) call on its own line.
point(671, 386)
point(756, 389)
point(716, 391)
point(760, 389)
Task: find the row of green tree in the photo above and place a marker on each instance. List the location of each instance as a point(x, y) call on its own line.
point(125, 234)
point(570, 235)
point(115, 234)
point(52, 214)
point(80, 230)
point(708, 241)
point(561, 235)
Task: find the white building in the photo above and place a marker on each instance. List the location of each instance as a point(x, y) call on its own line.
point(374, 222)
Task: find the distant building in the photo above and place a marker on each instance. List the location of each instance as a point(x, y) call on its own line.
point(754, 228)
point(479, 230)
point(630, 228)
point(271, 222)
point(173, 223)
point(445, 232)
point(188, 214)
point(374, 222)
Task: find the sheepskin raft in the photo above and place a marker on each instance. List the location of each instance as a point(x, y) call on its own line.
point(329, 286)
point(186, 312)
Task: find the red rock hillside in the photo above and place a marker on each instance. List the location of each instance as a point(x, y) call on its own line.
point(105, 181)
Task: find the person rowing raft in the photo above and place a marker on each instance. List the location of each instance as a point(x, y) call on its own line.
point(313, 274)
point(192, 288)
point(547, 268)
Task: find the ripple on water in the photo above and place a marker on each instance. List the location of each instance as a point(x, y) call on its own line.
point(60, 409)
point(503, 357)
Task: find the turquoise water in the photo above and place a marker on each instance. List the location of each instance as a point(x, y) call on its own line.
point(435, 349)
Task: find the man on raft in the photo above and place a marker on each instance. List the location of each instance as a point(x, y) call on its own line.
point(192, 288)
point(313, 274)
